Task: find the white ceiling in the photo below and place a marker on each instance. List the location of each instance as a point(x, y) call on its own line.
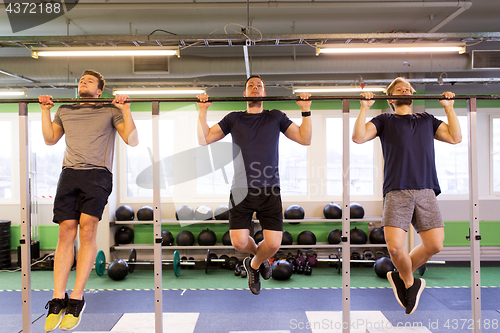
point(285, 22)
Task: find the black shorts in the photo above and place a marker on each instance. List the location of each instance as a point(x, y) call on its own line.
point(265, 201)
point(82, 191)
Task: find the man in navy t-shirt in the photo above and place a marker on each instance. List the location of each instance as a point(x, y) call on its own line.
point(410, 181)
point(256, 186)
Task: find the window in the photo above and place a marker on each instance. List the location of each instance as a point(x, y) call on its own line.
point(452, 162)
point(139, 159)
point(5, 160)
point(362, 166)
point(292, 166)
point(495, 155)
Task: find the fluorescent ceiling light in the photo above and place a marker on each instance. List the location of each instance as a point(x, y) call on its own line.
point(390, 48)
point(337, 89)
point(12, 92)
point(103, 51)
point(159, 91)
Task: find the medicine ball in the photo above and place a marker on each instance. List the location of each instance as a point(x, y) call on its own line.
point(207, 238)
point(222, 213)
point(357, 211)
point(382, 266)
point(358, 236)
point(287, 238)
point(167, 239)
point(185, 238)
point(377, 236)
point(226, 239)
point(294, 212)
point(203, 213)
point(282, 270)
point(184, 213)
point(124, 213)
point(258, 237)
point(332, 211)
point(124, 235)
point(335, 236)
point(306, 238)
point(118, 269)
point(145, 213)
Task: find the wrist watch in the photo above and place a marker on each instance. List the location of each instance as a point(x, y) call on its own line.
point(306, 114)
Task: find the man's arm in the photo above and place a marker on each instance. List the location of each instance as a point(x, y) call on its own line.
point(206, 134)
point(450, 132)
point(302, 134)
point(364, 131)
point(127, 129)
point(51, 131)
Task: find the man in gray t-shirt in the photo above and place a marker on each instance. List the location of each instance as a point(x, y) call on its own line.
point(84, 186)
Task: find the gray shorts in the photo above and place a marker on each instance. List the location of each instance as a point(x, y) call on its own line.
point(419, 207)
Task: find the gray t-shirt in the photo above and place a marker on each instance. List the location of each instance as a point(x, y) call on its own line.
point(90, 131)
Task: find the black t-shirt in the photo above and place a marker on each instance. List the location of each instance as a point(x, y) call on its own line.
point(257, 137)
point(408, 149)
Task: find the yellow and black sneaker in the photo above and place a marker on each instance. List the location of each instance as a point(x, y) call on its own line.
point(73, 314)
point(57, 307)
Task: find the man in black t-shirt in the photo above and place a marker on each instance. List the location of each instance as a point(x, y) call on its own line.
point(410, 181)
point(256, 187)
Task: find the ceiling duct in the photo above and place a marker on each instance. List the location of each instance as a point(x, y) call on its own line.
point(151, 65)
point(486, 59)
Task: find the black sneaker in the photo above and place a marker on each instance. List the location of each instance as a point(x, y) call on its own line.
point(253, 276)
point(265, 270)
point(73, 314)
point(55, 314)
point(398, 286)
point(413, 295)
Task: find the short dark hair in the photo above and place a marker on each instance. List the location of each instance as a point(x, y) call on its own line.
point(253, 77)
point(97, 75)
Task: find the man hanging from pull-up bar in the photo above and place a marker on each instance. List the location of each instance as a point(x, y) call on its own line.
point(256, 184)
point(410, 181)
point(84, 186)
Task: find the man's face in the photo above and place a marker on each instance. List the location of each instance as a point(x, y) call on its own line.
point(255, 88)
point(88, 87)
point(402, 88)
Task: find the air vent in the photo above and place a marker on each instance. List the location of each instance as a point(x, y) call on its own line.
point(482, 59)
point(151, 65)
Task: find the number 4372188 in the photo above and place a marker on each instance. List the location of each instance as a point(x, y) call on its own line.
point(33, 8)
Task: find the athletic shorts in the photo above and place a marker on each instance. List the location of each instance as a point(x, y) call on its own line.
point(82, 191)
point(265, 201)
point(418, 207)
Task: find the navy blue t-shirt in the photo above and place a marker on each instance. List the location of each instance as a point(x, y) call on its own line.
point(408, 149)
point(257, 136)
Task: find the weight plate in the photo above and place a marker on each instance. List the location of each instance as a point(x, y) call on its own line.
point(177, 267)
point(207, 261)
point(132, 257)
point(100, 263)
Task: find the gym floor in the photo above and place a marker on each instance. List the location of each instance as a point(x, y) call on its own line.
point(220, 302)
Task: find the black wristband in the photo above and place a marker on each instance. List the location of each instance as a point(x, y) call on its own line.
point(306, 114)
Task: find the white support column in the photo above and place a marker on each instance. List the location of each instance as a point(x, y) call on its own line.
point(346, 222)
point(474, 234)
point(157, 219)
point(25, 215)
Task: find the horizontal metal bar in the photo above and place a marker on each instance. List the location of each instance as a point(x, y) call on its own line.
point(244, 99)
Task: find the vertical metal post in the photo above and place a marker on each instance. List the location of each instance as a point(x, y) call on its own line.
point(157, 218)
point(475, 237)
point(346, 222)
point(25, 215)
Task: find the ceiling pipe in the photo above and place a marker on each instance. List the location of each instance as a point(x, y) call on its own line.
point(463, 6)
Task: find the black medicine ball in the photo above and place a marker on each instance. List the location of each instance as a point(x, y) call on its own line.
point(306, 238)
point(335, 236)
point(287, 238)
point(203, 213)
point(185, 238)
point(124, 235)
point(332, 211)
point(294, 212)
point(226, 239)
point(382, 266)
point(222, 213)
point(118, 269)
point(124, 213)
point(358, 236)
point(145, 213)
point(258, 237)
point(282, 270)
point(207, 238)
point(167, 239)
point(356, 211)
point(184, 213)
point(377, 236)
